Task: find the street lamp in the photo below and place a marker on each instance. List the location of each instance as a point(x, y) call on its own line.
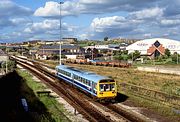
point(60, 3)
point(6, 59)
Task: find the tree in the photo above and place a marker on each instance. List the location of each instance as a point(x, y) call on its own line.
point(106, 38)
point(121, 55)
point(175, 57)
point(11, 65)
point(167, 52)
point(134, 55)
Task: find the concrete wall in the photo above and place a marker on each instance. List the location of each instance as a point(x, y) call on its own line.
point(4, 58)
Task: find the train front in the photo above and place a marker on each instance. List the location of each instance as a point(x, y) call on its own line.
point(107, 89)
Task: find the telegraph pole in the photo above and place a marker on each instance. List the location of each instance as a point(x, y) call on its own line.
point(60, 3)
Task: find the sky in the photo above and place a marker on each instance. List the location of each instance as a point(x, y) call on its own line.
point(25, 20)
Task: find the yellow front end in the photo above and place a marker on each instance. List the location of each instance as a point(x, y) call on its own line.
point(107, 90)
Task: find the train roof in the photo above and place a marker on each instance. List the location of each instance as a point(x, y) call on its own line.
point(85, 74)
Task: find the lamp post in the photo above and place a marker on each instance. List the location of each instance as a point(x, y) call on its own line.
point(60, 3)
point(6, 59)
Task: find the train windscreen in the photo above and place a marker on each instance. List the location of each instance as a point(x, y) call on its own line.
point(107, 87)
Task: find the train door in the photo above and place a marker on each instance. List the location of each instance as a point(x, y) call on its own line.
point(73, 79)
point(92, 87)
point(94, 90)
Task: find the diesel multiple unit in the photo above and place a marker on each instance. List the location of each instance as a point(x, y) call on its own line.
point(98, 86)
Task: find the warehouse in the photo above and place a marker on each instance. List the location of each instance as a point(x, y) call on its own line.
point(154, 47)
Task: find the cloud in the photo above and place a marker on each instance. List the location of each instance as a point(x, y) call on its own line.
point(112, 18)
point(49, 28)
point(168, 22)
point(148, 13)
point(9, 11)
point(52, 9)
point(74, 8)
point(172, 8)
point(114, 26)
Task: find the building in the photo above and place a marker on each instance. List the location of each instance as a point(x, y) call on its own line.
point(154, 47)
point(109, 47)
point(70, 40)
point(70, 51)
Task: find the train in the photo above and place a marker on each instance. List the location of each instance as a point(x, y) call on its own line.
point(99, 87)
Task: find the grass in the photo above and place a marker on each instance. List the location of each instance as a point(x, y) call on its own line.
point(56, 109)
point(165, 111)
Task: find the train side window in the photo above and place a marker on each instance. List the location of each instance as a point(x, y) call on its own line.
point(83, 80)
point(79, 78)
point(89, 83)
point(76, 77)
point(95, 85)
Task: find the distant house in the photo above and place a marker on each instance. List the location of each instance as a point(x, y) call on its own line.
point(70, 50)
point(109, 47)
point(70, 40)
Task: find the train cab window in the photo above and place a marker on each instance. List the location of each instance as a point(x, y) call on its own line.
point(101, 87)
point(107, 87)
point(112, 87)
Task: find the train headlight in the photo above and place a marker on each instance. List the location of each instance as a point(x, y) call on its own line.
point(113, 92)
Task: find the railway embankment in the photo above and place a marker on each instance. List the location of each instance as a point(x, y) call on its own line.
point(18, 101)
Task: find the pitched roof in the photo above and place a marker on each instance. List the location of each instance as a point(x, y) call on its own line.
point(57, 47)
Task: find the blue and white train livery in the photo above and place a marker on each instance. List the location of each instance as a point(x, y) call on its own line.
point(98, 86)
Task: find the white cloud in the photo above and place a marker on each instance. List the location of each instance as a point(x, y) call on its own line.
point(167, 22)
point(116, 23)
point(17, 21)
point(40, 27)
point(99, 24)
point(11, 12)
point(148, 13)
point(10, 9)
point(52, 9)
point(74, 8)
point(49, 28)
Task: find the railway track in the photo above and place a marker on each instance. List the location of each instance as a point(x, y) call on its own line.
point(88, 111)
point(81, 102)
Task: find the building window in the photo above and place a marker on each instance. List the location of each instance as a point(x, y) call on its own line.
point(157, 44)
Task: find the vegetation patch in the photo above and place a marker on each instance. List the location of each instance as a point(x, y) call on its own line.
point(56, 109)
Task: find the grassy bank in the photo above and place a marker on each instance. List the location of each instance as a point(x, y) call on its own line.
point(56, 109)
